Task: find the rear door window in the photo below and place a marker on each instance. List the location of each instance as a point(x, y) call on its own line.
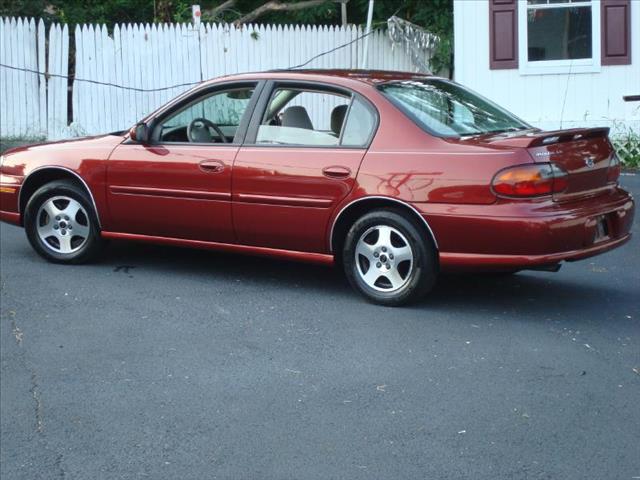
point(305, 117)
point(359, 126)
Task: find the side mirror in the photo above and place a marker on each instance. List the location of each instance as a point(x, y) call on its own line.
point(139, 133)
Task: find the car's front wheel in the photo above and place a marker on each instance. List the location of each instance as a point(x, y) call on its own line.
point(389, 259)
point(61, 225)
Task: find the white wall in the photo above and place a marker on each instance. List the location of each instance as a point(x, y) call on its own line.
point(592, 99)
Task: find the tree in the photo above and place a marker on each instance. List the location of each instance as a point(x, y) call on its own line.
point(435, 16)
point(270, 11)
point(81, 11)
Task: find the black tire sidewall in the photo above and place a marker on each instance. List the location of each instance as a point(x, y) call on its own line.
point(425, 265)
point(67, 189)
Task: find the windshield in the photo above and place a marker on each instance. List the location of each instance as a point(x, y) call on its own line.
point(446, 109)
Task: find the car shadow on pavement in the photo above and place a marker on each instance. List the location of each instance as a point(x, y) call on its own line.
point(530, 292)
point(525, 291)
point(225, 266)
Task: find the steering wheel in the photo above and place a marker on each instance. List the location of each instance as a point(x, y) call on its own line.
point(198, 131)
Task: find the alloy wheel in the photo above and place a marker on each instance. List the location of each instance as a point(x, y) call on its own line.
point(384, 258)
point(63, 225)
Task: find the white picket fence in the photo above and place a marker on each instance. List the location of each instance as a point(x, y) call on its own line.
point(136, 58)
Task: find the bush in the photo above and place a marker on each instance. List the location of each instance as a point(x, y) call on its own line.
point(10, 142)
point(627, 145)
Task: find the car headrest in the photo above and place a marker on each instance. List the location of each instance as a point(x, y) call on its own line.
point(337, 118)
point(298, 117)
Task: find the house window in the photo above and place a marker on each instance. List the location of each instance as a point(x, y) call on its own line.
point(559, 36)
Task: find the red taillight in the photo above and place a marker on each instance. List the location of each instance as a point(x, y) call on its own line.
point(613, 172)
point(530, 180)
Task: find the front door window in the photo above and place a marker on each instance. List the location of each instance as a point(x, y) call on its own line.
point(214, 118)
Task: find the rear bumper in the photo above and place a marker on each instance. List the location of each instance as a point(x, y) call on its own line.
point(528, 235)
point(470, 261)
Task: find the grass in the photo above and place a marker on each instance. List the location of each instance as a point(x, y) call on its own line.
point(627, 145)
point(10, 142)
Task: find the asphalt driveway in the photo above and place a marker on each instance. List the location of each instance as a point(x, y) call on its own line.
point(165, 363)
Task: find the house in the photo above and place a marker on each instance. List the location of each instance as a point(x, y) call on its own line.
point(554, 63)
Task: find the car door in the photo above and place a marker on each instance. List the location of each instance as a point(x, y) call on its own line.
point(179, 184)
point(300, 158)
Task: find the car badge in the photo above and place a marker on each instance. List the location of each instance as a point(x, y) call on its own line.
point(589, 162)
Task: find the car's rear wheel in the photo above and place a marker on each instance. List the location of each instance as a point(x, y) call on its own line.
point(389, 259)
point(61, 224)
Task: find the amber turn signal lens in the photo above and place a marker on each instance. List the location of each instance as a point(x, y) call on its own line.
point(530, 180)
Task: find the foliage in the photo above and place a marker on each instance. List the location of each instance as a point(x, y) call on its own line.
point(81, 11)
point(627, 145)
point(435, 16)
point(10, 142)
point(23, 8)
point(323, 14)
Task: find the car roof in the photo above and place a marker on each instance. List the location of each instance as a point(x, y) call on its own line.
point(342, 75)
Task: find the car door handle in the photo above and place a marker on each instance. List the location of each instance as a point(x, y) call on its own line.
point(336, 171)
point(211, 166)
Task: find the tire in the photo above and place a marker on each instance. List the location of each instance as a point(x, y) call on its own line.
point(404, 258)
point(61, 224)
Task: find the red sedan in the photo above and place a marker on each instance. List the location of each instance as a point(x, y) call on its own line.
point(394, 176)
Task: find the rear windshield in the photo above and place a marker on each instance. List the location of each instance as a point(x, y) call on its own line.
point(446, 109)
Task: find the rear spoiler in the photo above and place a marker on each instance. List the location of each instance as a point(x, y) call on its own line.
point(561, 136)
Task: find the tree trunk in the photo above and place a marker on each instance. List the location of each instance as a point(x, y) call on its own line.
point(277, 6)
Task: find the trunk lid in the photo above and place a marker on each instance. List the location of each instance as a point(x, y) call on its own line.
point(584, 153)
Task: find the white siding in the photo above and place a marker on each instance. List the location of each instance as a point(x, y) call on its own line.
point(588, 99)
